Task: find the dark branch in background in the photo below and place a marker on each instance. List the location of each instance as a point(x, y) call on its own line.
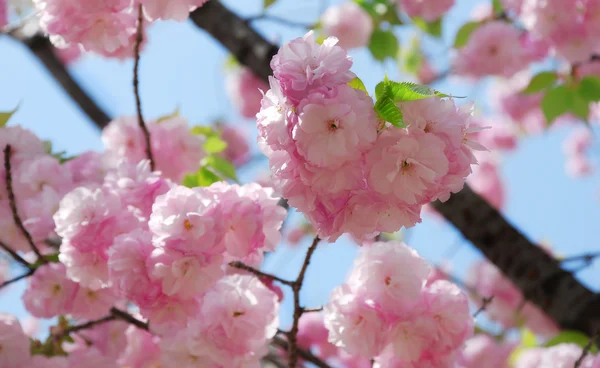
point(13, 204)
point(122, 315)
point(298, 310)
point(306, 355)
point(586, 260)
point(136, 84)
point(41, 47)
point(248, 47)
point(536, 273)
point(529, 267)
point(276, 19)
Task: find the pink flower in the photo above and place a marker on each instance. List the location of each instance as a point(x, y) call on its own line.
point(530, 358)
point(391, 274)
point(49, 293)
point(563, 356)
point(127, 259)
point(24, 144)
point(31, 326)
point(335, 128)
point(169, 314)
point(354, 323)
point(87, 168)
point(429, 10)
point(500, 135)
point(350, 23)
point(92, 357)
point(92, 304)
point(142, 349)
point(109, 338)
point(302, 65)
point(487, 182)
point(41, 361)
point(449, 307)
point(406, 166)
point(412, 337)
point(482, 350)
point(170, 9)
point(295, 235)
point(494, 48)
point(578, 142)
point(273, 129)
point(578, 166)
point(238, 150)
point(244, 90)
point(239, 314)
point(313, 336)
point(14, 351)
point(188, 220)
point(184, 276)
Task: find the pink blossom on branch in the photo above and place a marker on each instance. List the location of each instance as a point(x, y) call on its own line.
point(349, 22)
point(178, 10)
point(429, 10)
point(244, 90)
point(14, 343)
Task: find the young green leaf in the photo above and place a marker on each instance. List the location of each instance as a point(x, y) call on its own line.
point(556, 102)
point(572, 337)
point(214, 144)
point(383, 45)
point(580, 107)
point(357, 83)
point(387, 110)
point(174, 114)
point(541, 81)
point(589, 88)
point(464, 33)
point(221, 166)
point(202, 130)
point(497, 6)
point(268, 3)
point(5, 116)
point(433, 28)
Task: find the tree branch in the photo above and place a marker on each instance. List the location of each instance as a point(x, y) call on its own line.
point(536, 273)
point(306, 355)
point(13, 203)
point(13, 280)
point(41, 47)
point(15, 255)
point(136, 84)
point(258, 273)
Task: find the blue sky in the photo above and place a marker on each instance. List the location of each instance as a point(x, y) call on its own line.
point(182, 67)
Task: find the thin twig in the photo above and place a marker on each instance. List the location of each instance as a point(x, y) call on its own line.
point(15, 255)
point(586, 349)
point(242, 266)
point(23, 276)
point(586, 260)
point(313, 310)
point(298, 310)
point(306, 355)
point(13, 204)
point(122, 315)
point(486, 302)
point(84, 326)
point(136, 85)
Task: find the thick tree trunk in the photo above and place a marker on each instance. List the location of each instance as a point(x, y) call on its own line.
point(538, 275)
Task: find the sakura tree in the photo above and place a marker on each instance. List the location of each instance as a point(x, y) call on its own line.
point(157, 249)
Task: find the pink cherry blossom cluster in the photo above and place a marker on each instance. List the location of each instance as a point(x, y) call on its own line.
point(350, 23)
point(575, 148)
point(484, 351)
point(335, 161)
point(105, 27)
point(429, 10)
point(237, 150)
point(243, 89)
point(386, 310)
point(497, 48)
point(569, 26)
point(506, 307)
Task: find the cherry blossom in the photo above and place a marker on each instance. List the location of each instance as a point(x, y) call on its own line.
point(350, 23)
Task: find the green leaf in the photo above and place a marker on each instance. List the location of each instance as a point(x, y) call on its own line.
point(202, 130)
point(5, 116)
point(528, 339)
point(190, 180)
point(268, 3)
point(589, 88)
point(203, 178)
point(497, 6)
point(214, 144)
point(580, 107)
point(464, 33)
point(433, 28)
point(357, 83)
point(407, 91)
point(573, 337)
point(381, 11)
point(541, 81)
point(221, 166)
point(383, 45)
point(556, 102)
point(387, 110)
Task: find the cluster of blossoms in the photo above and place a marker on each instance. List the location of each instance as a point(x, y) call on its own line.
point(507, 307)
point(349, 22)
point(335, 161)
point(130, 235)
point(497, 48)
point(386, 310)
point(243, 89)
point(105, 27)
point(429, 10)
point(571, 27)
point(484, 351)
